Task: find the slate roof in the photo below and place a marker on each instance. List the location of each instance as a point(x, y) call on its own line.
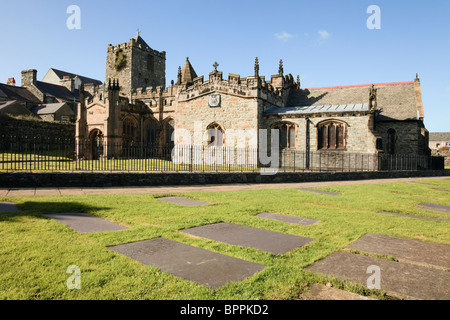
point(17, 93)
point(318, 109)
point(49, 108)
point(141, 41)
point(59, 92)
point(396, 101)
point(440, 136)
point(85, 80)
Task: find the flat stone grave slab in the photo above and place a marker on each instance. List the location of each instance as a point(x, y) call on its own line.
point(443, 190)
point(410, 216)
point(322, 292)
point(287, 218)
point(434, 207)
point(183, 201)
point(407, 250)
point(398, 279)
point(85, 223)
point(265, 240)
point(7, 207)
point(321, 192)
point(204, 267)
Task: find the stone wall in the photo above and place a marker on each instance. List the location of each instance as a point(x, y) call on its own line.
point(410, 136)
point(99, 180)
point(34, 128)
point(442, 153)
point(359, 138)
point(237, 116)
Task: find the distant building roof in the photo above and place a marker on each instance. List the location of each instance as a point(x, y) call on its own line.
point(396, 101)
point(17, 93)
point(59, 92)
point(14, 108)
point(85, 80)
point(440, 136)
point(48, 108)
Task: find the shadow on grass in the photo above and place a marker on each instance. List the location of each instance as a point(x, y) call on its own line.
point(39, 209)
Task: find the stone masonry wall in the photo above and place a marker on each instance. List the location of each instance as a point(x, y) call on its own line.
point(234, 113)
point(359, 138)
point(408, 136)
point(33, 128)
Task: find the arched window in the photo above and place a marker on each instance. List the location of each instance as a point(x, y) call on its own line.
point(391, 145)
point(151, 133)
point(332, 135)
point(287, 132)
point(215, 134)
point(129, 131)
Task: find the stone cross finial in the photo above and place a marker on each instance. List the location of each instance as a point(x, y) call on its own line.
point(215, 65)
point(256, 67)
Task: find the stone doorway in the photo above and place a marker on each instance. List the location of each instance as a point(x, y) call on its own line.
point(96, 139)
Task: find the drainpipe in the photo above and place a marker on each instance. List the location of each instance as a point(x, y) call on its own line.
point(308, 145)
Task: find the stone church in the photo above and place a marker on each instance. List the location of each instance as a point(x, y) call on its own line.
point(136, 108)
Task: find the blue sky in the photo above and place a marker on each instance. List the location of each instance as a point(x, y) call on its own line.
point(326, 42)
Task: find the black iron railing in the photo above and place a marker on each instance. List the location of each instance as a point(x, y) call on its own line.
point(67, 155)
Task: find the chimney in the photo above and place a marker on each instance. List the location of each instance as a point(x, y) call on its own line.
point(11, 82)
point(29, 77)
point(69, 83)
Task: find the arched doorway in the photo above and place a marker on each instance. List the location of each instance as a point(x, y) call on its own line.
point(96, 144)
point(169, 129)
point(215, 134)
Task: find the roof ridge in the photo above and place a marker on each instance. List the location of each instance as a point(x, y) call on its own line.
point(357, 86)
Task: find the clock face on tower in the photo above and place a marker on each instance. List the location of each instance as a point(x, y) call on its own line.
point(214, 100)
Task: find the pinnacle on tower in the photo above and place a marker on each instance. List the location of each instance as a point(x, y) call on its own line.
point(188, 73)
point(280, 68)
point(256, 67)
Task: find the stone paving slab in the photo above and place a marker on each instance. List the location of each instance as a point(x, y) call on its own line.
point(287, 218)
point(265, 240)
point(321, 192)
point(22, 192)
point(434, 207)
point(398, 279)
point(408, 250)
point(183, 201)
point(411, 216)
point(8, 207)
point(204, 267)
point(321, 292)
point(85, 223)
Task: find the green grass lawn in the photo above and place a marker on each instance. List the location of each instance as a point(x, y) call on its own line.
point(35, 251)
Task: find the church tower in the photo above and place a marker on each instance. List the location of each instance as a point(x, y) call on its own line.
point(135, 65)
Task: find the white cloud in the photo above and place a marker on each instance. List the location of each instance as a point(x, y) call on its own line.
point(283, 36)
point(324, 34)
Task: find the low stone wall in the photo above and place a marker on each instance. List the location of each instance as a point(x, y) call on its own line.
point(35, 128)
point(93, 180)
